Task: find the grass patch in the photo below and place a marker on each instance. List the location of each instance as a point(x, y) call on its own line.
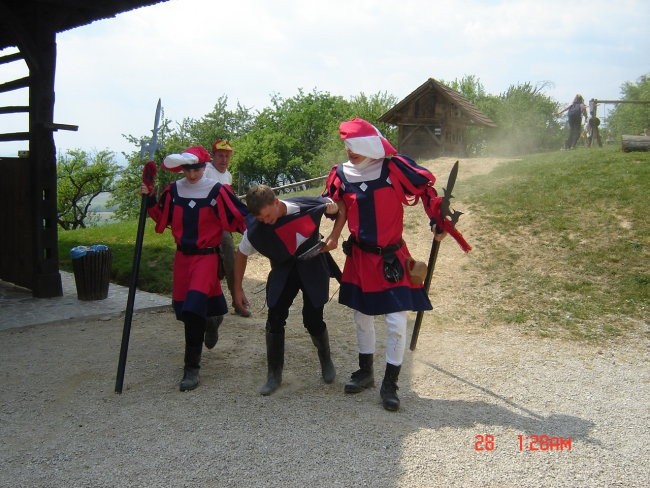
point(570, 240)
point(156, 259)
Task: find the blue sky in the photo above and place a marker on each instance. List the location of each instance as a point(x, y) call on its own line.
point(111, 73)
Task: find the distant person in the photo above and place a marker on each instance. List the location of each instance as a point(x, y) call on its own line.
point(593, 131)
point(222, 153)
point(375, 184)
point(282, 230)
point(575, 111)
point(198, 210)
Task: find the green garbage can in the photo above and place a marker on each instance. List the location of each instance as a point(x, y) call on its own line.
point(92, 271)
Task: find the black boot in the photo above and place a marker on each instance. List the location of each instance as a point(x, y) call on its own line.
point(389, 388)
point(192, 364)
point(275, 361)
point(212, 331)
point(362, 378)
point(322, 343)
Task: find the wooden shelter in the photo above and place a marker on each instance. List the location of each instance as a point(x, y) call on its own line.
point(431, 121)
point(29, 241)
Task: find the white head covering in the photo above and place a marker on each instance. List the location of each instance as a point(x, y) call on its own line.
point(361, 137)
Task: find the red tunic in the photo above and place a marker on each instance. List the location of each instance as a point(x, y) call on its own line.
point(198, 215)
point(374, 195)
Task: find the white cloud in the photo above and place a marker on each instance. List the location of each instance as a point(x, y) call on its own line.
point(190, 52)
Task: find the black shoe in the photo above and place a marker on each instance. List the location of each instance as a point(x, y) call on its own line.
point(388, 391)
point(212, 331)
point(322, 343)
point(190, 379)
point(275, 362)
point(362, 378)
point(273, 382)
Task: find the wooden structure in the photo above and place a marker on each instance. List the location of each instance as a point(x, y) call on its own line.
point(431, 121)
point(635, 143)
point(29, 241)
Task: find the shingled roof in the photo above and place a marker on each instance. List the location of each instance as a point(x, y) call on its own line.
point(473, 115)
point(19, 17)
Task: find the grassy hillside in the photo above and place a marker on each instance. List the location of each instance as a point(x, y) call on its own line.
point(567, 240)
point(565, 236)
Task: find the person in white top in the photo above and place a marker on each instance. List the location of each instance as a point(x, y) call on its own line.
point(217, 170)
point(221, 157)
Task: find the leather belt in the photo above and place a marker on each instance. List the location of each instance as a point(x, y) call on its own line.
point(204, 250)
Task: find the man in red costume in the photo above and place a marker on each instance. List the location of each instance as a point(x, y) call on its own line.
point(374, 184)
point(198, 211)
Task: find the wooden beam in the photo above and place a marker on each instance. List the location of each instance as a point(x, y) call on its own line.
point(22, 35)
point(55, 126)
point(622, 101)
point(10, 58)
point(14, 109)
point(15, 84)
point(14, 136)
point(433, 136)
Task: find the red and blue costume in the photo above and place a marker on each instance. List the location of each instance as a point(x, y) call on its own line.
point(375, 184)
point(197, 215)
point(375, 220)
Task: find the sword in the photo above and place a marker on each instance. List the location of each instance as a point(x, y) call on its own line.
point(148, 175)
point(445, 211)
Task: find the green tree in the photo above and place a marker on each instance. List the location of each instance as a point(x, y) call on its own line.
point(282, 145)
point(371, 108)
point(368, 107)
point(81, 177)
point(629, 118)
point(525, 119)
point(470, 87)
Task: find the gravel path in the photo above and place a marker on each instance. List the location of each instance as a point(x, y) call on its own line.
point(63, 426)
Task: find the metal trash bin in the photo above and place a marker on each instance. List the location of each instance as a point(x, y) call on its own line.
point(92, 271)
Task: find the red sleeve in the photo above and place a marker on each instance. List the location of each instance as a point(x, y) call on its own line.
point(333, 185)
point(160, 211)
point(415, 182)
point(232, 212)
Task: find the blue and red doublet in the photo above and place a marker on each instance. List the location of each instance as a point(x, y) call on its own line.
point(197, 221)
point(375, 217)
point(281, 242)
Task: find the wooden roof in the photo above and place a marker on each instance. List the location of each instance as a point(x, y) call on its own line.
point(19, 17)
point(473, 115)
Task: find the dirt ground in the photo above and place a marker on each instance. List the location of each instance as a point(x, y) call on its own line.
point(474, 400)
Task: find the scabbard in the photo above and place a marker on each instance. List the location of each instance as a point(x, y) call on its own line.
point(335, 271)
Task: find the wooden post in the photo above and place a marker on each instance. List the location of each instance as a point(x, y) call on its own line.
point(46, 281)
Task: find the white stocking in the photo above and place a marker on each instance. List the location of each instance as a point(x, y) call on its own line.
point(395, 337)
point(365, 332)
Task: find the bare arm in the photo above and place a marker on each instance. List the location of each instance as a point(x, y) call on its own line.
point(239, 268)
point(332, 240)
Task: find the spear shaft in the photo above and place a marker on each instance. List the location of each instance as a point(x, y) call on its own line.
point(435, 246)
point(137, 254)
